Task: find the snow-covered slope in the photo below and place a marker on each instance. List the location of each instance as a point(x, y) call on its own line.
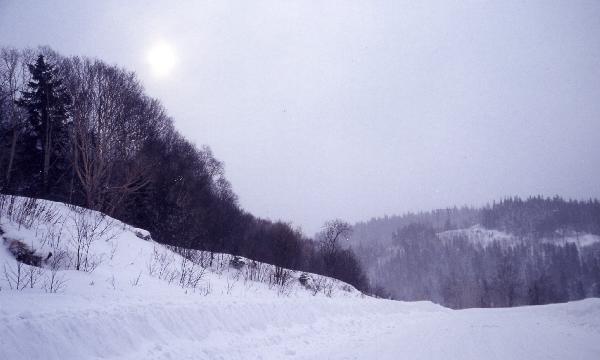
point(135, 299)
point(479, 235)
point(96, 255)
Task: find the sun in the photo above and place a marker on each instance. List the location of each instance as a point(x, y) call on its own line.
point(162, 59)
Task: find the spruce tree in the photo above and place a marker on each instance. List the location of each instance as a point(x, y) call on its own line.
point(47, 104)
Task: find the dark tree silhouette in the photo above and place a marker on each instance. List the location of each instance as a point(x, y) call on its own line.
point(47, 103)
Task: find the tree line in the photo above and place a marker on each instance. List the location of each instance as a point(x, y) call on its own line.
point(459, 273)
point(378, 231)
point(80, 131)
point(535, 216)
point(543, 217)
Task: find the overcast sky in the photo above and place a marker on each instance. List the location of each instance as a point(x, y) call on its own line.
point(324, 109)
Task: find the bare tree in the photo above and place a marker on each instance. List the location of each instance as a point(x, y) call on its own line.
point(13, 74)
point(112, 120)
point(333, 232)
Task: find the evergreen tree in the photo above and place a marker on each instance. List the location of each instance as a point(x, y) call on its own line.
point(47, 104)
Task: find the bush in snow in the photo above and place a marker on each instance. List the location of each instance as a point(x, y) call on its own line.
point(237, 262)
point(305, 280)
point(187, 268)
point(23, 253)
point(15, 276)
point(54, 281)
point(19, 276)
point(88, 227)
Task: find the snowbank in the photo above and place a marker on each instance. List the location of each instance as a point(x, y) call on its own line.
point(135, 326)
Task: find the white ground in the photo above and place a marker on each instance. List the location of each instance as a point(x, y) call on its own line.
point(121, 311)
point(40, 326)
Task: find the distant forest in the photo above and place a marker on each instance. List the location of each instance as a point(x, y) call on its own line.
point(539, 260)
point(543, 217)
point(80, 131)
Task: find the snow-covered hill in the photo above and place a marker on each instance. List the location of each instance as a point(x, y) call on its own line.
point(135, 299)
point(93, 254)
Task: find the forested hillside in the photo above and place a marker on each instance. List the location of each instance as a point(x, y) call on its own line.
point(379, 230)
point(543, 217)
point(80, 131)
point(524, 252)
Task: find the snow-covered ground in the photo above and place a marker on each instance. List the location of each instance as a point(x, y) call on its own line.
point(135, 299)
point(147, 326)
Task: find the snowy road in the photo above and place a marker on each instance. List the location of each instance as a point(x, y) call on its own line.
point(525, 333)
point(132, 327)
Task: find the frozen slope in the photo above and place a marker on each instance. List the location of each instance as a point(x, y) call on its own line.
point(140, 300)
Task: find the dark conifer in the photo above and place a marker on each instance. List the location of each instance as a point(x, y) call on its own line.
point(47, 104)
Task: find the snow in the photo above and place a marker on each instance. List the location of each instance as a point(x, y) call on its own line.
point(36, 326)
point(478, 234)
point(120, 311)
point(580, 240)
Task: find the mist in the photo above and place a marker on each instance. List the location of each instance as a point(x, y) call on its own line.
point(354, 109)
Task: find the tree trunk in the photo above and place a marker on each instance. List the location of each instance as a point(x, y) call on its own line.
point(46, 140)
point(47, 153)
point(11, 156)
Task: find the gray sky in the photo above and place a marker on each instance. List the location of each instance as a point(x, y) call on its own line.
point(325, 109)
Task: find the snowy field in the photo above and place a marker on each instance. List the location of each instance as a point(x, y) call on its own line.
point(108, 293)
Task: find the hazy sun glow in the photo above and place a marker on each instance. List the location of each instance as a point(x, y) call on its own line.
point(162, 59)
